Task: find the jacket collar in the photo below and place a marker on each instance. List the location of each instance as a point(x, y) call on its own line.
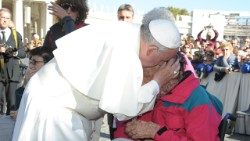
point(183, 90)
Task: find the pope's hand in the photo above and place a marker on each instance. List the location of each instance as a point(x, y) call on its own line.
point(167, 71)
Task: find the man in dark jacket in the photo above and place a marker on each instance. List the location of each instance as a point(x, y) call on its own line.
point(11, 50)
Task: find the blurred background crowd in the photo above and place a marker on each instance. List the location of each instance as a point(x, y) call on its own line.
point(207, 54)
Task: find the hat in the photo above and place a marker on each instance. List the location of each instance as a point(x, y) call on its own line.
point(165, 32)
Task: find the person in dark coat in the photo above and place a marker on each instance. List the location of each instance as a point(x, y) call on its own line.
point(11, 51)
point(71, 15)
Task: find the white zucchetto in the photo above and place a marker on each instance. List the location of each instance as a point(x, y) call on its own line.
point(166, 33)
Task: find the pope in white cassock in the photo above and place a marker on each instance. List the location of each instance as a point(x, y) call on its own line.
point(96, 69)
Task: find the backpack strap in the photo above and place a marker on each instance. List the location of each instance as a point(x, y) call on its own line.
point(14, 36)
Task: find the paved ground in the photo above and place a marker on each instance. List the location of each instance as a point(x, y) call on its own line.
point(234, 137)
point(6, 127)
point(237, 137)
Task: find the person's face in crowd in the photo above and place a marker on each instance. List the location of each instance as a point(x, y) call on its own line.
point(5, 19)
point(125, 15)
point(35, 63)
point(234, 43)
point(190, 40)
point(198, 56)
point(30, 46)
point(218, 52)
point(35, 37)
point(197, 44)
point(209, 56)
point(226, 51)
point(151, 56)
point(186, 49)
point(217, 44)
point(183, 41)
point(247, 43)
point(209, 46)
point(208, 37)
point(71, 10)
point(248, 51)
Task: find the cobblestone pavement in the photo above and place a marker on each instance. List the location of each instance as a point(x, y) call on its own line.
point(6, 128)
point(237, 137)
point(7, 124)
point(105, 134)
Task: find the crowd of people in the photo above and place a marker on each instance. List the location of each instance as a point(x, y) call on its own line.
point(146, 80)
point(207, 54)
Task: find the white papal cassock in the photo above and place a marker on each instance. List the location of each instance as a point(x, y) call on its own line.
point(95, 69)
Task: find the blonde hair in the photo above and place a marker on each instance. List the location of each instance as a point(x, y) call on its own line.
point(227, 44)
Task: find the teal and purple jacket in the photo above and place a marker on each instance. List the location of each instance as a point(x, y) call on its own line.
point(188, 112)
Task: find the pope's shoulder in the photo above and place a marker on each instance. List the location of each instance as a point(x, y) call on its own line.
point(111, 26)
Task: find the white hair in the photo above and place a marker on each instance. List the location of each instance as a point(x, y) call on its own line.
point(36, 36)
point(155, 14)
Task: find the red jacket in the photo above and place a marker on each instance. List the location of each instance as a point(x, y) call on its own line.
point(188, 112)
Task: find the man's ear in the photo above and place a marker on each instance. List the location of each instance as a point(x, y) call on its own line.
point(152, 49)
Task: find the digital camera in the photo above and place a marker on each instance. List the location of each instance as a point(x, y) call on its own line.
point(9, 50)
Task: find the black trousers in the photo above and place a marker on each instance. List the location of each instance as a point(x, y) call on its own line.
point(8, 94)
point(110, 123)
point(3, 101)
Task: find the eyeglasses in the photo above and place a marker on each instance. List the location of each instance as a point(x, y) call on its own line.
point(66, 6)
point(5, 18)
point(35, 62)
